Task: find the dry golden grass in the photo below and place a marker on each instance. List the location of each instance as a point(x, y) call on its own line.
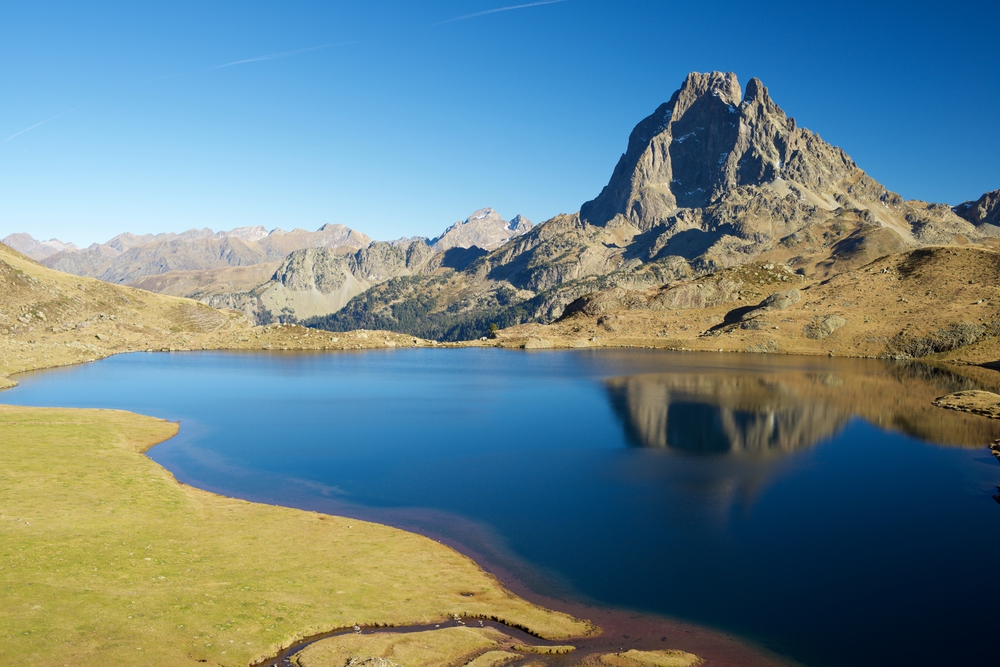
point(49, 318)
point(984, 403)
point(106, 560)
point(888, 305)
point(635, 658)
point(467, 647)
point(430, 648)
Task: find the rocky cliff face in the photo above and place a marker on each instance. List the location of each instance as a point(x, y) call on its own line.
point(984, 211)
point(722, 175)
point(319, 281)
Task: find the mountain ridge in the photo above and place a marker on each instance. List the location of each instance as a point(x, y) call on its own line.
point(714, 178)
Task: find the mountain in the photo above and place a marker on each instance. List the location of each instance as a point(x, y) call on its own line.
point(984, 211)
point(130, 259)
point(36, 250)
point(484, 229)
point(318, 282)
point(714, 178)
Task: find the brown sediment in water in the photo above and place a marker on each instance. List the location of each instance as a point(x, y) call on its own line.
point(624, 629)
point(621, 629)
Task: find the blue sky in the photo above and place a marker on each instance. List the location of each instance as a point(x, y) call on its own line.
point(398, 118)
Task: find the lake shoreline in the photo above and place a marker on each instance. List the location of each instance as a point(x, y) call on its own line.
point(637, 630)
point(620, 628)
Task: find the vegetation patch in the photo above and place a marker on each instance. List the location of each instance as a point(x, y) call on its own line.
point(410, 305)
point(106, 560)
point(430, 648)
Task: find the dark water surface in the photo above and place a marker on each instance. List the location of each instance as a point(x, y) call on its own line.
point(821, 507)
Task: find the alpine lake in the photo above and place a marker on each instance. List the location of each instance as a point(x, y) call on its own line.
point(822, 508)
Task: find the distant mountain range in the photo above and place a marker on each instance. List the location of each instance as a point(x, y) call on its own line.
point(714, 178)
point(36, 250)
point(224, 267)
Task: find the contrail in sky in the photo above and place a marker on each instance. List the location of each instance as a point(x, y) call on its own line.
point(29, 129)
point(498, 9)
point(283, 54)
point(287, 54)
point(255, 59)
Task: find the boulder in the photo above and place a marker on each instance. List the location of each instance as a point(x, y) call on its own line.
point(821, 327)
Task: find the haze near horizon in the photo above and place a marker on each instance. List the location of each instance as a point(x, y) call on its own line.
point(398, 120)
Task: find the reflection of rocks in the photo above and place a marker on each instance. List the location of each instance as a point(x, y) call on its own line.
point(737, 406)
point(720, 414)
point(754, 413)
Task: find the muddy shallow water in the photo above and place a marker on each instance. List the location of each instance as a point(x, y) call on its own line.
point(819, 507)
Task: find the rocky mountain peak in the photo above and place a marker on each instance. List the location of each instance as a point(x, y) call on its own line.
point(708, 141)
point(985, 210)
point(254, 233)
point(519, 224)
point(482, 214)
point(484, 228)
point(26, 244)
point(723, 86)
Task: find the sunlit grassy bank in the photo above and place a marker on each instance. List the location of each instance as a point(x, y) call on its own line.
point(106, 560)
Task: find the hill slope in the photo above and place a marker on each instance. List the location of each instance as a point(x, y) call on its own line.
point(935, 302)
point(49, 318)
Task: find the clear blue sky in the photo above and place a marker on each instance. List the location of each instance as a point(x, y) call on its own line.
point(404, 121)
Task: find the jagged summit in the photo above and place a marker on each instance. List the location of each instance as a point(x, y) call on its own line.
point(710, 140)
point(985, 210)
point(485, 228)
point(36, 250)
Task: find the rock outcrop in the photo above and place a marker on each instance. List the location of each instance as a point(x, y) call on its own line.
point(984, 211)
point(721, 175)
point(319, 281)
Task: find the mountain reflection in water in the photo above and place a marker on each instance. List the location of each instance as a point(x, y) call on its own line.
point(749, 413)
point(707, 414)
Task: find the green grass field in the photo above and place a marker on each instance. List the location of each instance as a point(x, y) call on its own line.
point(106, 560)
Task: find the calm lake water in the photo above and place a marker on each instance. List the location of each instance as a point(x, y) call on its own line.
point(821, 507)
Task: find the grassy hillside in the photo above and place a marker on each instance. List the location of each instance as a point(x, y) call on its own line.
point(49, 318)
point(940, 303)
point(106, 560)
